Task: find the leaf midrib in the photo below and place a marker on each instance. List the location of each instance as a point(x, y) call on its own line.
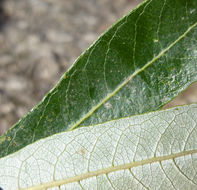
point(130, 78)
point(110, 170)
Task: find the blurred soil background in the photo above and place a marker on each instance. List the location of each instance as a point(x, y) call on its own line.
point(40, 39)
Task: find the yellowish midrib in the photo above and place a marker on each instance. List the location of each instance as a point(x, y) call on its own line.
point(110, 169)
point(131, 77)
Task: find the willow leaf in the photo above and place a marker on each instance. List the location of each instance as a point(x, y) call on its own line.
point(156, 151)
point(137, 66)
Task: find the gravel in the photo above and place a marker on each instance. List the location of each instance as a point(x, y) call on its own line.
point(39, 40)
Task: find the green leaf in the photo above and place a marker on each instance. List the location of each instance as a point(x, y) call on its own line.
point(137, 66)
point(151, 151)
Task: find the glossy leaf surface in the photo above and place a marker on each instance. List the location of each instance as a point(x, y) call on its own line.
point(151, 151)
point(138, 65)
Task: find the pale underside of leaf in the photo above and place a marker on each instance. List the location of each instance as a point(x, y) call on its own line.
point(151, 151)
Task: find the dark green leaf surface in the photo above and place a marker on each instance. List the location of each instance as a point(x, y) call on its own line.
point(138, 65)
